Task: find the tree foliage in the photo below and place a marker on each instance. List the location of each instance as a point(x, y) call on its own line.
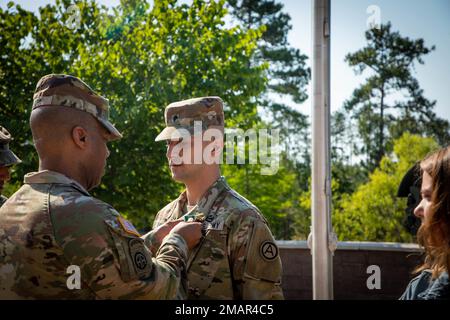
point(288, 74)
point(373, 212)
point(390, 101)
point(141, 58)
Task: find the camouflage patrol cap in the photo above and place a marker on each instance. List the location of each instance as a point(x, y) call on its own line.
point(69, 91)
point(7, 157)
point(183, 114)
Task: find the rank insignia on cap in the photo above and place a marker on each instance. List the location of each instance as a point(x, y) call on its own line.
point(128, 226)
point(268, 250)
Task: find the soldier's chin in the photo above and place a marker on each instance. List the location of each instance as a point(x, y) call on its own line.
point(177, 177)
point(177, 173)
point(176, 167)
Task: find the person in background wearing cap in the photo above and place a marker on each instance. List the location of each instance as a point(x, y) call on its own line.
point(59, 242)
point(410, 188)
point(7, 159)
point(238, 257)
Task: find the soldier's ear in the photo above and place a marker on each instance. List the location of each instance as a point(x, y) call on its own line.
point(216, 152)
point(79, 137)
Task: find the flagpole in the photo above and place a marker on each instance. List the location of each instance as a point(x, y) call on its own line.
point(322, 244)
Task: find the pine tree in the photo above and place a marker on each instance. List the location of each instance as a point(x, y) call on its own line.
point(389, 61)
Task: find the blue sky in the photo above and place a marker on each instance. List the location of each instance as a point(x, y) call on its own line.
point(427, 19)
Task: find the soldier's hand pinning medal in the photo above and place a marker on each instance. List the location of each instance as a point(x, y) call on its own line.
point(190, 231)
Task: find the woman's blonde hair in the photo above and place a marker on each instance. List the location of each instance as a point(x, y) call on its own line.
point(434, 233)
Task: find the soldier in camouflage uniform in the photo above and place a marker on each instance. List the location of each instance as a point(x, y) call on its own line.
point(59, 242)
point(238, 257)
point(7, 159)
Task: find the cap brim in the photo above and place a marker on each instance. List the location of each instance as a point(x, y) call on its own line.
point(173, 133)
point(411, 178)
point(166, 134)
point(115, 134)
point(8, 158)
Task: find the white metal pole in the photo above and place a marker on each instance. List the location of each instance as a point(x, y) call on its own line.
point(322, 260)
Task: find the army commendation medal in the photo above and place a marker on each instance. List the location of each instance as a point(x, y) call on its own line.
point(194, 216)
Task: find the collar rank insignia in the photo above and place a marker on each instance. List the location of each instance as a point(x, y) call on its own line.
point(217, 224)
point(128, 227)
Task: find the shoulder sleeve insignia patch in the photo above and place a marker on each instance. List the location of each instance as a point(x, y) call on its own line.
point(141, 258)
point(128, 227)
point(268, 250)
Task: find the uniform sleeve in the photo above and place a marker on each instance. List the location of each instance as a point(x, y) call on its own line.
point(151, 242)
point(116, 264)
point(159, 219)
point(150, 239)
point(255, 260)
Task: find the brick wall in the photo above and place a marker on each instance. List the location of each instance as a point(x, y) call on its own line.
point(350, 262)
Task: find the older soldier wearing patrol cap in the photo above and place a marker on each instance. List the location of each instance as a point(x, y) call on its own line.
point(7, 159)
point(238, 257)
point(59, 242)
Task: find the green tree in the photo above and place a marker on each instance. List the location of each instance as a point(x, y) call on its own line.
point(373, 212)
point(288, 76)
point(141, 59)
point(30, 47)
point(275, 195)
point(347, 174)
point(288, 73)
point(389, 59)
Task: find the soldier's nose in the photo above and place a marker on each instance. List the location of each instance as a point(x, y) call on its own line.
point(173, 153)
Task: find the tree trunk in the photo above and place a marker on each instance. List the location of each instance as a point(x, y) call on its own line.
point(380, 148)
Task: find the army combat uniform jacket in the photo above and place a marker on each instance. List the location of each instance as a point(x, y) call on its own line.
point(53, 234)
point(238, 257)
